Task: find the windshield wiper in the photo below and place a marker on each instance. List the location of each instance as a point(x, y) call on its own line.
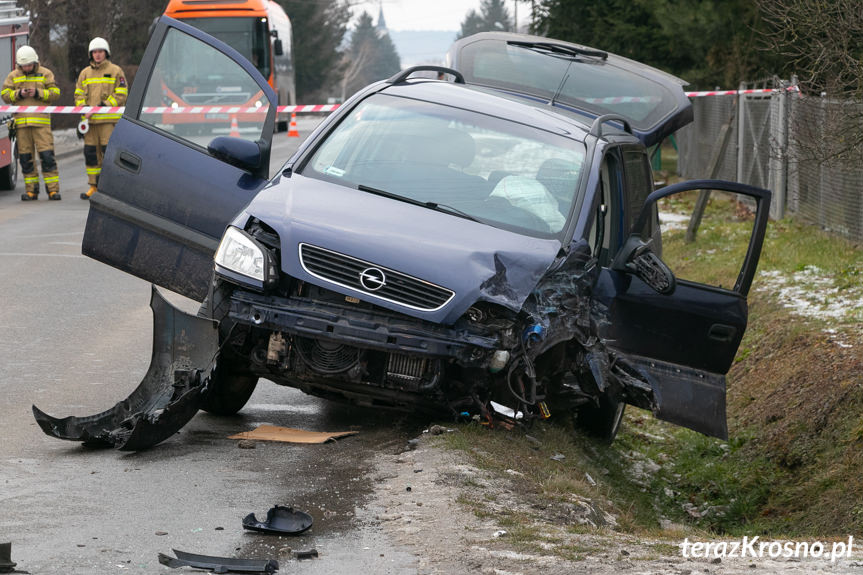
point(430, 205)
point(450, 210)
point(559, 49)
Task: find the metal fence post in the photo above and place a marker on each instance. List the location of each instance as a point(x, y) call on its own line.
point(741, 128)
point(782, 179)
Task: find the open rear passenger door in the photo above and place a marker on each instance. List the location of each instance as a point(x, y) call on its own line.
point(173, 178)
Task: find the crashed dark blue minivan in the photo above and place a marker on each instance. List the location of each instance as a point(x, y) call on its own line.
point(482, 238)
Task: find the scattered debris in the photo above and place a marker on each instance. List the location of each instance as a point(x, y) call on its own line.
point(247, 444)
point(6, 563)
point(280, 520)
point(558, 457)
point(533, 442)
point(291, 435)
point(161, 533)
point(307, 554)
point(218, 564)
point(590, 479)
point(499, 533)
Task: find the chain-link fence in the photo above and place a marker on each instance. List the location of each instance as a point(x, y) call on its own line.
point(783, 142)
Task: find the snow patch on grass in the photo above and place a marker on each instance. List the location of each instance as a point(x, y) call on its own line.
point(810, 293)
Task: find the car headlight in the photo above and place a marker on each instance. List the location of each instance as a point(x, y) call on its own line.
point(240, 253)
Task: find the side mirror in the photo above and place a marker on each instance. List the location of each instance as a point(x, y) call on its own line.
point(637, 258)
point(237, 152)
point(278, 48)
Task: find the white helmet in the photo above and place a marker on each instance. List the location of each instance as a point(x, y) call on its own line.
point(99, 44)
point(26, 55)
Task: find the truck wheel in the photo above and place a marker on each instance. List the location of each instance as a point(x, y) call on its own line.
point(601, 422)
point(228, 391)
point(9, 174)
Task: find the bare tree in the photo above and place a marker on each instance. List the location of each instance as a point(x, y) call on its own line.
point(823, 43)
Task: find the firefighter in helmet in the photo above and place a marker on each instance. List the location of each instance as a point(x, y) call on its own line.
point(102, 83)
point(31, 84)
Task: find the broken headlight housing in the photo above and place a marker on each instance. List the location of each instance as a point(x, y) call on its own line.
point(242, 258)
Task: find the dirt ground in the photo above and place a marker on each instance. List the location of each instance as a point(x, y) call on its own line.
point(419, 500)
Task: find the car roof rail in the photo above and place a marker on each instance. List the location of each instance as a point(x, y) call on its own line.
point(404, 74)
point(596, 128)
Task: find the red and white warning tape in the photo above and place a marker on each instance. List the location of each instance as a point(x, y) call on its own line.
point(309, 108)
point(736, 92)
point(165, 109)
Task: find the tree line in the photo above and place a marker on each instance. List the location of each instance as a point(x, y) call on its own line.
point(709, 43)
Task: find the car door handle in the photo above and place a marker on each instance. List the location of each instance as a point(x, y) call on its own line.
point(722, 332)
point(128, 161)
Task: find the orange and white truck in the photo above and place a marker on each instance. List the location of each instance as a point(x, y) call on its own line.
point(14, 33)
point(258, 29)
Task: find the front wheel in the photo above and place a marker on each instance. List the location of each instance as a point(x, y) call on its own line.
point(228, 390)
point(603, 421)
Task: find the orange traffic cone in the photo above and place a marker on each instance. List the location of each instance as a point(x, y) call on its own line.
point(235, 129)
point(292, 129)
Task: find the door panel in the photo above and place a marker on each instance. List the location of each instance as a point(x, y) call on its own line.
point(684, 342)
point(164, 200)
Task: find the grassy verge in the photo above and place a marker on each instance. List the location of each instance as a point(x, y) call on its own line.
point(795, 405)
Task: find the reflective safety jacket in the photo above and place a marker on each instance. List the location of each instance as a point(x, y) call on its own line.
point(42, 80)
point(102, 84)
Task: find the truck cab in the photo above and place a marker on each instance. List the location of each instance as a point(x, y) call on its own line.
point(259, 30)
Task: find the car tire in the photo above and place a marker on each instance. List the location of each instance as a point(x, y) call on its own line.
point(601, 422)
point(231, 383)
point(228, 391)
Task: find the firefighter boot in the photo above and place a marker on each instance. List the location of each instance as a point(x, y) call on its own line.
point(55, 196)
point(86, 195)
point(29, 196)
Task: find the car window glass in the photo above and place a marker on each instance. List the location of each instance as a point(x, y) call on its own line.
point(603, 227)
point(499, 172)
point(714, 254)
point(197, 93)
point(638, 185)
point(591, 83)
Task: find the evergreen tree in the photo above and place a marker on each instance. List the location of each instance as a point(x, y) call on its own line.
point(319, 29)
point(493, 16)
point(371, 56)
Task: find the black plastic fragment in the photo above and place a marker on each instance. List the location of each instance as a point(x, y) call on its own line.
point(165, 400)
point(306, 554)
point(281, 520)
point(218, 564)
point(6, 563)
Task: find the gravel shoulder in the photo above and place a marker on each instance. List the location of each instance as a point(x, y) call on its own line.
point(420, 500)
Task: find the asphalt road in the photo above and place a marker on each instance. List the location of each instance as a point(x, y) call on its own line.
point(75, 339)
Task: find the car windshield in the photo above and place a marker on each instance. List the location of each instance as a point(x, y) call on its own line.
point(498, 172)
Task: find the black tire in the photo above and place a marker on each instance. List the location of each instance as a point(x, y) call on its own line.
point(228, 391)
point(9, 174)
point(601, 422)
point(231, 383)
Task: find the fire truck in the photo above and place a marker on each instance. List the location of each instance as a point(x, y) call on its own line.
point(259, 30)
point(14, 33)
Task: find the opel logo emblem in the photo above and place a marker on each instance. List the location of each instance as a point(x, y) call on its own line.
point(373, 279)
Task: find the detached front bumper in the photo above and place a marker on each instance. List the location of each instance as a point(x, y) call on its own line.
point(362, 328)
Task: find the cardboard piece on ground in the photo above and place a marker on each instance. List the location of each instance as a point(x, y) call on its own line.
point(290, 435)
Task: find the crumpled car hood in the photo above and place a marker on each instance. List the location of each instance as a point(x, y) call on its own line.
point(476, 261)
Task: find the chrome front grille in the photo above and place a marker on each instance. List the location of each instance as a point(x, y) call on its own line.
point(372, 279)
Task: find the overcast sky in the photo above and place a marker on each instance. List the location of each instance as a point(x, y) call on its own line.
point(420, 14)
